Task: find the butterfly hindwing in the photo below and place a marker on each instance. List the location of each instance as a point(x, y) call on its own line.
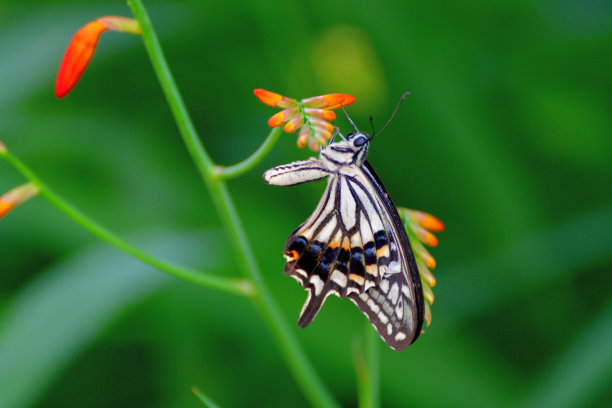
point(350, 247)
point(354, 244)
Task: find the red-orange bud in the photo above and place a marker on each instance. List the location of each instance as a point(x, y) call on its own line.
point(82, 47)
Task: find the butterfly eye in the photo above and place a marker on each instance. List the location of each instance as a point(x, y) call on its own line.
point(360, 141)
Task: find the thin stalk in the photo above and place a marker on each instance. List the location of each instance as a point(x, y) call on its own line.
point(250, 162)
point(203, 398)
point(367, 369)
point(299, 364)
point(235, 286)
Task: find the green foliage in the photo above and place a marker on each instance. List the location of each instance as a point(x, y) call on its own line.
point(506, 137)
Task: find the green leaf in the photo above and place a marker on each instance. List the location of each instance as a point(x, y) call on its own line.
point(57, 314)
point(582, 373)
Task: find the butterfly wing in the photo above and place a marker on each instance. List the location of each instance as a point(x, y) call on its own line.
point(354, 245)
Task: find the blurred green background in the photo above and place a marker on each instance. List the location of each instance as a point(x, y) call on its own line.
point(507, 137)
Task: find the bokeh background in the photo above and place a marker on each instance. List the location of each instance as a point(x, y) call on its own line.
point(507, 137)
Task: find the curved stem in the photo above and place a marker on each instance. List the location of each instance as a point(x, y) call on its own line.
point(235, 286)
point(194, 145)
point(250, 162)
point(300, 366)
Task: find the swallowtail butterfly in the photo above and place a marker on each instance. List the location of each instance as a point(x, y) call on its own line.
point(354, 245)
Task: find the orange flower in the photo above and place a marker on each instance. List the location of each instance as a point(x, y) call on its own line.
point(310, 118)
point(82, 47)
point(16, 196)
point(419, 226)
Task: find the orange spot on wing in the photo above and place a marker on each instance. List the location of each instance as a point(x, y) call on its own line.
point(346, 245)
point(292, 255)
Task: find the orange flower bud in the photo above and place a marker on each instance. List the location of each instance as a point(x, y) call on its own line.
point(309, 116)
point(294, 124)
point(428, 294)
point(427, 314)
point(282, 117)
point(324, 133)
point(421, 252)
point(274, 99)
point(423, 235)
point(329, 101)
point(425, 273)
point(322, 124)
point(2, 148)
point(82, 47)
point(427, 221)
point(17, 196)
point(303, 136)
point(321, 113)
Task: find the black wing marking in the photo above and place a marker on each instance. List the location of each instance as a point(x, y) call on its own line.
point(352, 246)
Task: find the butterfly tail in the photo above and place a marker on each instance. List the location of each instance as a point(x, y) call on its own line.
point(311, 308)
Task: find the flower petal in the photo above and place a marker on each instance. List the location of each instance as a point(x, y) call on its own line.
point(274, 99)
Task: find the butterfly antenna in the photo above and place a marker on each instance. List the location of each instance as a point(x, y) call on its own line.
point(337, 133)
point(372, 124)
point(349, 119)
point(393, 114)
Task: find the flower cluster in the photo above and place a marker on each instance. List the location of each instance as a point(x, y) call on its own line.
point(419, 226)
point(310, 118)
point(17, 196)
point(82, 47)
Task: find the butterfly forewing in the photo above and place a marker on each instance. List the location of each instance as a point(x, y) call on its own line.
point(354, 245)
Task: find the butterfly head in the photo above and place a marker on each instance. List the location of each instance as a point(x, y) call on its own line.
point(351, 150)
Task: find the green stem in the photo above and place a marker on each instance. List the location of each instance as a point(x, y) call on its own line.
point(366, 367)
point(299, 364)
point(253, 160)
point(194, 145)
point(236, 286)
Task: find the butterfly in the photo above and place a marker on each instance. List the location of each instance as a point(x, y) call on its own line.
point(354, 245)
